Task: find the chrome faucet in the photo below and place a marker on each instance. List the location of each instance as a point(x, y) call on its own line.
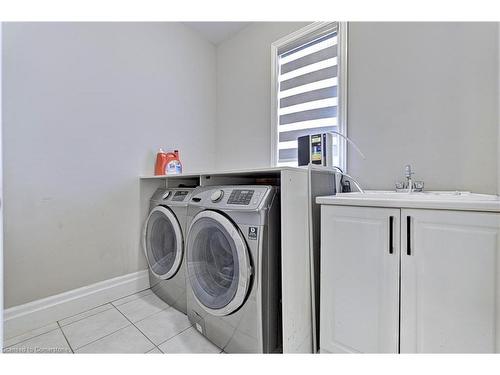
point(409, 182)
point(409, 185)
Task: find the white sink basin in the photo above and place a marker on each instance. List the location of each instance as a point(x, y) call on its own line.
point(432, 195)
point(445, 200)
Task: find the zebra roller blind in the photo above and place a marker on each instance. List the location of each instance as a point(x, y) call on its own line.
point(307, 91)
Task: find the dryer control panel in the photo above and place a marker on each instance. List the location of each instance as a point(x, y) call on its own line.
point(180, 195)
point(241, 197)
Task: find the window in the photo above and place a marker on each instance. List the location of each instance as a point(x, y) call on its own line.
point(309, 89)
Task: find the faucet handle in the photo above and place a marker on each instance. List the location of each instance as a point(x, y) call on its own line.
point(400, 186)
point(418, 185)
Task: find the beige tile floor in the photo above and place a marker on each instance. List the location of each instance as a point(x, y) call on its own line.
point(139, 323)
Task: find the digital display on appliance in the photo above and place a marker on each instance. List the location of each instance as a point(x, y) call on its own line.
point(179, 196)
point(240, 197)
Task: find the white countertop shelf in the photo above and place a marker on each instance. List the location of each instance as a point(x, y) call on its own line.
point(250, 171)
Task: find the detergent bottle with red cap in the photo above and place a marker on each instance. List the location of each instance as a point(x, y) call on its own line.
point(161, 162)
point(173, 165)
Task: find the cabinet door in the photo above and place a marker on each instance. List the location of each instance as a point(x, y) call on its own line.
point(450, 282)
point(359, 281)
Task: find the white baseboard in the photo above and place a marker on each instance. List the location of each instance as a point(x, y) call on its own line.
point(36, 314)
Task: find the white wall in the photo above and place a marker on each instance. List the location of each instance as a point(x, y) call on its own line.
point(85, 107)
point(244, 95)
point(425, 94)
point(419, 93)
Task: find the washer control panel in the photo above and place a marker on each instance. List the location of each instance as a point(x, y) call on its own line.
point(176, 196)
point(240, 196)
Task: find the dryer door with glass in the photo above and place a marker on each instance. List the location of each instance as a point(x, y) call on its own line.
point(218, 263)
point(163, 243)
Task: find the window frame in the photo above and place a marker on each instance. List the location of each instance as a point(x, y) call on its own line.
point(342, 42)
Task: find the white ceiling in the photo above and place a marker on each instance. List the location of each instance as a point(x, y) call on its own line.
point(217, 32)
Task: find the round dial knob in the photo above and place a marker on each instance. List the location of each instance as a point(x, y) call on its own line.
point(166, 195)
point(217, 195)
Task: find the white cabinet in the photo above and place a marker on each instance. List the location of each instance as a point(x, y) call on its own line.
point(446, 264)
point(450, 282)
point(359, 280)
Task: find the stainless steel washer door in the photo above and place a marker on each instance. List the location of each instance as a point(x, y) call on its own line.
point(218, 263)
point(163, 243)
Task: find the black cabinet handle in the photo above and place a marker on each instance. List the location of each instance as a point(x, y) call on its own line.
point(391, 234)
point(408, 235)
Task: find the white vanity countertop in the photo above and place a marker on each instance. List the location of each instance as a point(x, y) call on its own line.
point(440, 200)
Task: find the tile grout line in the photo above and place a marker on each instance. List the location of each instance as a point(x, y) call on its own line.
point(19, 342)
point(113, 301)
point(109, 334)
point(104, 304)
point(57, 321)
point(111, 306)
point(67, 317)
point(59, 326)
point(116, 308)
point(146, 317)
point(84, 311)
point(170, 338)
point(142, 333)
point(131, 323)
point(161, 343)
point(67, 341)
point(128, 295)
point(88, 316)
point(177, 334)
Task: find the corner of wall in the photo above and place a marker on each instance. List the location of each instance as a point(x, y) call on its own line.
point(217, 103)
point(1, 195)
point(498, 108)
point(218, 128)
point(242, 88)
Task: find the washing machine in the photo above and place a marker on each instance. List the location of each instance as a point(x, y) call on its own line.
point(163, 243)
point(233, 267)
